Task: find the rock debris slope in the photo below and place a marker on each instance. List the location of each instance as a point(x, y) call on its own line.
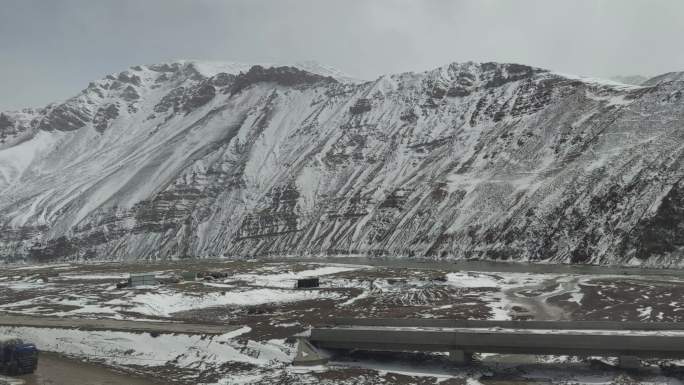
point(497, 161)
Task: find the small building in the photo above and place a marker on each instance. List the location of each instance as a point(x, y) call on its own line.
point(142, 279)
point(306, 283)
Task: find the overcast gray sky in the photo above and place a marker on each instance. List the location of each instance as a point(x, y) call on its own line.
point(50, 49)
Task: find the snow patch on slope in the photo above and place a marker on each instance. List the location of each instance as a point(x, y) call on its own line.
point(287, 280)
point(323, 70)
point(598, 81)
point(14, 161)
point(121, 348)
point(166, 303)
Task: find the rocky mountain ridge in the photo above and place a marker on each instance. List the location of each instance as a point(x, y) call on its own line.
point(471, 160)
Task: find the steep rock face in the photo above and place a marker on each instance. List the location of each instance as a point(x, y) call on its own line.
point(16, 127)
point(500, 161)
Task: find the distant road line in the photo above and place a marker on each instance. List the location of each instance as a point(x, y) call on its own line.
point(132, 326)
point(488, 266)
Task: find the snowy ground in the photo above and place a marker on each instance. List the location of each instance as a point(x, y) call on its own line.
point(260, 297)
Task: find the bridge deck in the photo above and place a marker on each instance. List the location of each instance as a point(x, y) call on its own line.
point(662, 340)
point(561, 325)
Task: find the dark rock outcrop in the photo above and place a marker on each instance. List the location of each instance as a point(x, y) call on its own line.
point(284, 76)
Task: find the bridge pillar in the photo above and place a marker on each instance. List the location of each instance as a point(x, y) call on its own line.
point(308, 355)
point(460, 357)
point(629, 362)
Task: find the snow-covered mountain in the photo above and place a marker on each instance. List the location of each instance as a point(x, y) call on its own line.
point(469, 160)
point(636, 80)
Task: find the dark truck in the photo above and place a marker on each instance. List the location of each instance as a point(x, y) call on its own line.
point(17, 357)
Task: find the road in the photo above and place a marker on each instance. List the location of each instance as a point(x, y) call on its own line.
point(537, 303)
point(132, 326)
point(490, 266)
point(54, 369)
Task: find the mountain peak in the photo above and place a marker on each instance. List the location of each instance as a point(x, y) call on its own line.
point(212, 68)
point(665, 78)
point(324, 70)
point(636, 80)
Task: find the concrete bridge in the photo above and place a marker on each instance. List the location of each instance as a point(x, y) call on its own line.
point(629, 341)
